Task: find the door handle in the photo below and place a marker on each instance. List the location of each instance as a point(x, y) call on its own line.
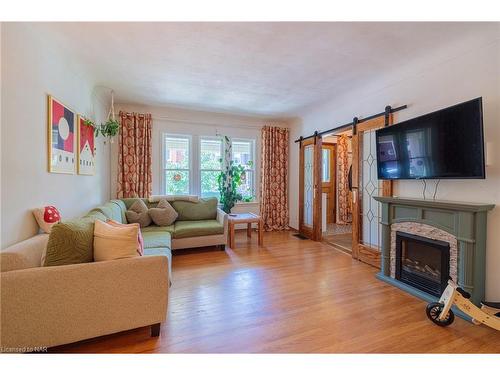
point(354, 191)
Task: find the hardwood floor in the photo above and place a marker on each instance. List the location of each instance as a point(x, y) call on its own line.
point(341, 241)
point(291, 296)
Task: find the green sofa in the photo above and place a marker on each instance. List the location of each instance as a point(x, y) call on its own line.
point(199, 224)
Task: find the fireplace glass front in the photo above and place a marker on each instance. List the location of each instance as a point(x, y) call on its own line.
point(422, 263)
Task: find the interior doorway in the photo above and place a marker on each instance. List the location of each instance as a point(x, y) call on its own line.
point(336, 190)
point(310, 209)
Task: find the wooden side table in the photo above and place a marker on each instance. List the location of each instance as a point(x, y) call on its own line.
point(247, 219)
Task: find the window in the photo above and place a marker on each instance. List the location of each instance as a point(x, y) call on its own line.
point(210, 165)
point(243, 154)
point(177, 164)
point(192, 164)
point(326, 165)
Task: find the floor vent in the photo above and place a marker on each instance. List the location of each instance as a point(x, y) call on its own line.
point(301, 236)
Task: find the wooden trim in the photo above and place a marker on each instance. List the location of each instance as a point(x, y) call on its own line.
point(331, 186)
point(317, 197)
point(369, 255)
point(314, 232)
point(355, 195)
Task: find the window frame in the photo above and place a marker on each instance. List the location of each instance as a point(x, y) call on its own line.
point(194, 153)
point(200, 169)
point(163, 169)
point(252, 142)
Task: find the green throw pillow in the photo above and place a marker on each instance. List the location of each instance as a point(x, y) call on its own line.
point(204, 209)
point(71, 242)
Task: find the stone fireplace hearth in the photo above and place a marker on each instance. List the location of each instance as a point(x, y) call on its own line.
point(459, 226)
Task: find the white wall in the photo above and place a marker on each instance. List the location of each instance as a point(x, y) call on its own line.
point(191, 122)
point(32, 67)
point(441, 80)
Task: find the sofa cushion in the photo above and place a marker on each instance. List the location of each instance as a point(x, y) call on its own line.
point(156, 239)
point(70, 242)
point(157, 228)
point(164, 214)
point(205, 209)
point(104, 210)
point(128, 202)
point(196, 228)
point(96, 215)
point(115, 241)
point(122, 207)
point(162, 251)
point(138, 213)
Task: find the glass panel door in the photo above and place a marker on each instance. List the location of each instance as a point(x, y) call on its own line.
point(308, 184)
point(310, 189)
point(370, 187)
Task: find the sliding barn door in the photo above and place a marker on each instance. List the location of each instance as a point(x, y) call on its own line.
point(310, 188)
point(366, 211)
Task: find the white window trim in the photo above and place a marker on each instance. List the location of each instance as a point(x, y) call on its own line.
point(200, 169)
point(163, 185)
point(253, 169)
point(194, 160)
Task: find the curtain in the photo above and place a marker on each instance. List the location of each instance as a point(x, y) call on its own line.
point(134, 156)
point(274, 178)
point(344, 198)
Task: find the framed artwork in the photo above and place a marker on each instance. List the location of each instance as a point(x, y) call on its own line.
point(61, 137)
point(86, 148)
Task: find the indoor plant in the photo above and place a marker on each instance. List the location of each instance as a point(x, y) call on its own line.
point(231, 177)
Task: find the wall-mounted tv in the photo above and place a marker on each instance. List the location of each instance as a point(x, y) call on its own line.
point(444, 144)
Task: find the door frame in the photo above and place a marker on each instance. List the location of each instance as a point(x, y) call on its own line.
point(314, 232)
point(331, 204)
point(361, 251)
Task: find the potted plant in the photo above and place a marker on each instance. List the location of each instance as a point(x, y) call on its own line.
point(108, 130)
point(232, 176)
point(229, 180)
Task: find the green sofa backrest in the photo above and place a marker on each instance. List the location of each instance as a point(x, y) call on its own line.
point(111, 210)
point(204, 209)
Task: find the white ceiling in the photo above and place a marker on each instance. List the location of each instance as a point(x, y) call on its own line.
point(270, 69)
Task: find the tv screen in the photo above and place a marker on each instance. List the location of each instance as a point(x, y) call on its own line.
point(444, 144)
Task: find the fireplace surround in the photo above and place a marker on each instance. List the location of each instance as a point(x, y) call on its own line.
point(459, 226)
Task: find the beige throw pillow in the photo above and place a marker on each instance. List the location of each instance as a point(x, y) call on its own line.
point(138, 213)
point(164, 214)
point(114, 242)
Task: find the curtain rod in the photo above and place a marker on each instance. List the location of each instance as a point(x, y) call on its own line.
point(387, 111)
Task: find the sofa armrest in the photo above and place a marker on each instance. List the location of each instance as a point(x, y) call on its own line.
point(222, 218)
point(49, 306)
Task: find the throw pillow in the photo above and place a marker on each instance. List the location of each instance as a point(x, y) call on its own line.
point(47, 217)
point(140, 240)
point(70, 242)
point(138, 213)
point(205, 209)
point(115, 242)
point(164, 214)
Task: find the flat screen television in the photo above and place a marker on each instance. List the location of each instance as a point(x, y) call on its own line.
point(446, 144)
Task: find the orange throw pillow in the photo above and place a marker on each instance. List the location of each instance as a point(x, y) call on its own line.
point(140, 240)
point(115, 242)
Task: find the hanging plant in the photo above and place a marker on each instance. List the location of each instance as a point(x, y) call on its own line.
point(110, 128)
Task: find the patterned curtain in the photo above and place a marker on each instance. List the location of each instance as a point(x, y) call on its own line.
point(274, 178)
point(344, 198)
point(134, 157)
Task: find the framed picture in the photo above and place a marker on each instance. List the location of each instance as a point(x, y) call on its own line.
point(86, 147)
point(61, 137)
